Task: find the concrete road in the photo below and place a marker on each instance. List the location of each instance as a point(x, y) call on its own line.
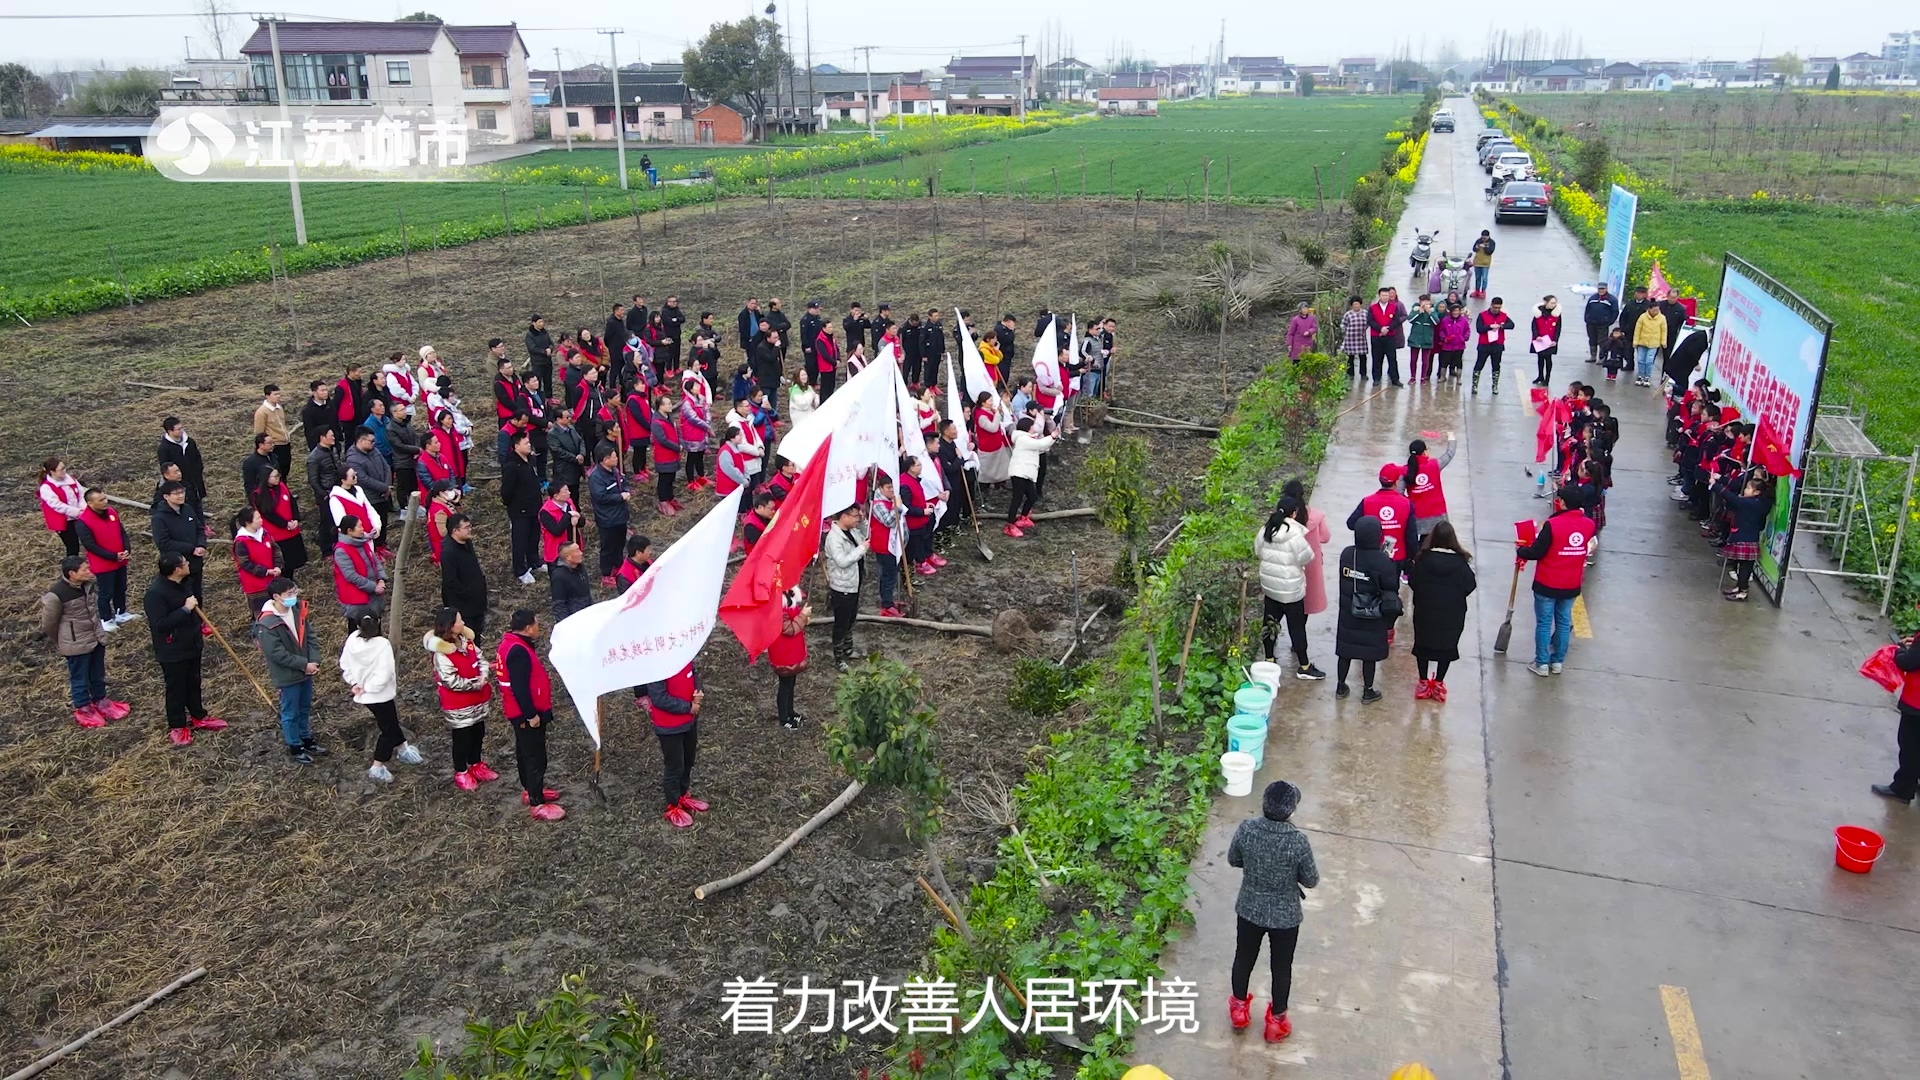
point(1623, 871)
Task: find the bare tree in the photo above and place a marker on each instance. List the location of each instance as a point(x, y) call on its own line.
point(216, 16)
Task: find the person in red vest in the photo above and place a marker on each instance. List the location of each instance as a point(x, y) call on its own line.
point(826, 362)
point(1394, 510)
point(754, 524)
point(666, 451)
point(1422, 481)
point(256, 559)
point(1490, 331)
point(506, 388)
point(460, 674)
point(359, 578)
point(1384, 317)
point(445, 503)
point(638, 560)
point(348, 404)
point(559, 523)
point(1906, 775)
point(788, 654)
point(526, 696)
point(280, 520)
point(105, 542)
point(1559, 549)
point(636, 425)
point(673, 704)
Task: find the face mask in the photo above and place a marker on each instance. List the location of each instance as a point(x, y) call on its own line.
point(290, 600)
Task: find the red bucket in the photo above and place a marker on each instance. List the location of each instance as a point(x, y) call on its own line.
point(1856, 848)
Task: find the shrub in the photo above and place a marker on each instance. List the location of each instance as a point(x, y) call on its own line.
point(568, 1034)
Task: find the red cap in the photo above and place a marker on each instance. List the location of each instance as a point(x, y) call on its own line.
point(1391, 472)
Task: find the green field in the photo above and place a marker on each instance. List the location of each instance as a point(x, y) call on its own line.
point(1273, 144)
point(1862, 267)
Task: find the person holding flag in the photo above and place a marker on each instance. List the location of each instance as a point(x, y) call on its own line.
point(884, 538)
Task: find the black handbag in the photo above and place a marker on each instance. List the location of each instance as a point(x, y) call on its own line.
point(1365, 602)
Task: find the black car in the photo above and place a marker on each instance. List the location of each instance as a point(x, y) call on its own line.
point(1522, 200)
point(1443, 121)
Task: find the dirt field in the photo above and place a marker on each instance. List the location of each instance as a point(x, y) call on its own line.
point(340, 922)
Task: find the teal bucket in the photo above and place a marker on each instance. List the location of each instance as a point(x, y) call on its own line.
point(1248, 735)
point(1253, 699)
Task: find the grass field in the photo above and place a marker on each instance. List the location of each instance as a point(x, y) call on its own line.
point(1862, 267)
point(1273, 144)
point(1845, 147)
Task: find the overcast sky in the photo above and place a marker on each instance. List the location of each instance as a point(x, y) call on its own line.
point(917, 36)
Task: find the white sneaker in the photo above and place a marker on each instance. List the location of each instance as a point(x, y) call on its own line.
point(110, 626)
point(125, 617)
point(1556, 668)
point(408, 755)
point(526, 578)
point(378, 773)
point(1541, 670)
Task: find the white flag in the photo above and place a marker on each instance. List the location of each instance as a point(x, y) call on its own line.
point(654, 628)
point(957, 412)
point(1046, 360)
point(861, 416)
point(932, 482)
point(978, 377)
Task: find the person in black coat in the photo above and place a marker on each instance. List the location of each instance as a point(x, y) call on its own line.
point(177, 448)
point(673, 321)
point(1442, 579)
point(778, 323)
point(1686, 356)
point(810, 326)
point(174, 622)
point(747, 324)
point(1370, 579)
point(856, 327)
point(567, 578)
point(179, 530)
point(317, 414)
point(520, 494)
point(463, 585)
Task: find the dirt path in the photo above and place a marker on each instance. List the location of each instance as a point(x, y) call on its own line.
point(341, 922)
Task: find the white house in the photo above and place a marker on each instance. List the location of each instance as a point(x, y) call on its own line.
point(1128, 100)
point(479, 72)
point(920, 101)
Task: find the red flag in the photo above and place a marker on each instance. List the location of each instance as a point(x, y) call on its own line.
point(751, 606)
point(1768, 451)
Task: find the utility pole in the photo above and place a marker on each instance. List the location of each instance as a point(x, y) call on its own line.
point(619, 108)
point(868, 50)
point(1022, 78)
point(899, 120)
point(561, 74)
point(293, 170)
point(810, 102)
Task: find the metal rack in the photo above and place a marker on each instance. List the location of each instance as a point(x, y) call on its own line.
point(1845, 499)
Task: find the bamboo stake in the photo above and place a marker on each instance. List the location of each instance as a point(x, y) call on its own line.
point(1193, 620)
point(244, 669)
point(918, 624)
point(714, 888)
point(1058, 515)
point(152, 999)
point(162, 386)
point(1196, 429)
point(398, 600)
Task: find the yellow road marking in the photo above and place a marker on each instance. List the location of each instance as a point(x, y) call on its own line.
point(1526, 396)
point(1692, 1057)
point(1581, 627)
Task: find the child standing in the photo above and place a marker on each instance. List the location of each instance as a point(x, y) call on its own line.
point(883, 518)
point(788, 653)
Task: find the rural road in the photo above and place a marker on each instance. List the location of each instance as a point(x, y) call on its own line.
point(1623, 871)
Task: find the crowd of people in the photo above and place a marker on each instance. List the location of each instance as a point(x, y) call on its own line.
point(580, 423)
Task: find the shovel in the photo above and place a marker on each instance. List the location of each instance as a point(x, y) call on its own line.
point(973, 515)
point(1501, 640)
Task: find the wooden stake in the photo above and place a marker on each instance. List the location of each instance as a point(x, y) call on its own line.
point(397, 601)
point(1153, 669)
point(639, 232)
point(152, 999)
point(244, 669)
point(406, 252)
point(117, 272)
point(1186, 647)
point(973, 629)
point(506, 218)
point(715, 888)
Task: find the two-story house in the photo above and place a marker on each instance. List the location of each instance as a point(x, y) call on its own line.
point(475, 72)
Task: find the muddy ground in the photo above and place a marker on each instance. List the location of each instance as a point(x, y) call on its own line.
point(341, 922)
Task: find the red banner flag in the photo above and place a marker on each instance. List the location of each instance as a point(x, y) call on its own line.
point(1768, 452)
point(751, 607)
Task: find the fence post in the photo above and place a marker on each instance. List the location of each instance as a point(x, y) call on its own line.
point(506, 218)
point(121, 274)
point(406, 253)
point(1206, 189)
point(639, 232)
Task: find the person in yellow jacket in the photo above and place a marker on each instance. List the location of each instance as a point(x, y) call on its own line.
point(990, 356)
point(1649, 337)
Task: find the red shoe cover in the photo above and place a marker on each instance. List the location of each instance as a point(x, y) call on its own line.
point(688, 802)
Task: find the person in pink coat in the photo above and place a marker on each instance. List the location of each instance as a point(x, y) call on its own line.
point(1317, 535)
point(1301, 332)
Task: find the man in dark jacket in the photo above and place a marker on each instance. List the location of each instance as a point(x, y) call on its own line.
point(1003, 337)
point(673, 322)
point(316, 415)
point(612, 499)
point(1602, 311)
point(879, 321)
point(766, 364)
point(177, 448)
point(347, 404)
point(748, 324)
point(1369, 580)
point(567, 451)
point(174, 621)
point(1685, 356)
point(1676, 313)
point(404, 440)
point(854, 328)
point(1631, 311)
point(463, 585)
point(778, 323)
point(614, 335)
point(567, 577)
point(254, 469)
point(323, 472)
point(178, 530)
point(540, 350)
point(810, 326)
point(520, 493)
point(637, 316)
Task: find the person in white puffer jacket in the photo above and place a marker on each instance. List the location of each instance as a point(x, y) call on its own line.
point(1283, 553)
point(366, 664)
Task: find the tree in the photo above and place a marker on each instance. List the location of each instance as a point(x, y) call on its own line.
point(421, 16)
point(120, 93)
point(738, 61)
point(217, 19)
point(1790, 66)
point(1833, 77)
point(1306, 84)
point(23, 93)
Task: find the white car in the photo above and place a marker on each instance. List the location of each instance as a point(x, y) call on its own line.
point(1513, 165)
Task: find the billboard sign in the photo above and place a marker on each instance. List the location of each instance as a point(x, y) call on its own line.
point(1622, 205)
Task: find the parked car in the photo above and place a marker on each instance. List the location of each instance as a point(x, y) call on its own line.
point(1487, 135)
point(1522, 200)
point(1443, 120)
point(1513, 164)
point(1493, 150)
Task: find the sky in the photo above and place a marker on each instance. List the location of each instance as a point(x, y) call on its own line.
point(1095, 31)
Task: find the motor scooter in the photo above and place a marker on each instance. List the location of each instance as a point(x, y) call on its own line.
point(1422, 252)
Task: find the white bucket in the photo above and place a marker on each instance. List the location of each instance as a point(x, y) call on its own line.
point(1267, 674)
point(1237, 769)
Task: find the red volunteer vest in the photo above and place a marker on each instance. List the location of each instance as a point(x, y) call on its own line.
point(282, 498)
point(666, 431)
point(724, 485)
point(505, 412)
point(636, 419)
point(1491, 332)
point(466, 661)
point(551, 512)
point(539, 687)
point(349, 400)
point(55, 519)
point(987, 442)
point(106, 531)
point(788, 653)
point(911, 485)
point(260, 553)
point(879, 536)
point(437, 514)
point(680, 684)
point(350, 594)
point(354, 508)
point(1380, 320)
point(1565, 563)
point(1910, 689)
point(1395, 513)
point(627, 573)
point(402, 383)
point(1423, 487)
